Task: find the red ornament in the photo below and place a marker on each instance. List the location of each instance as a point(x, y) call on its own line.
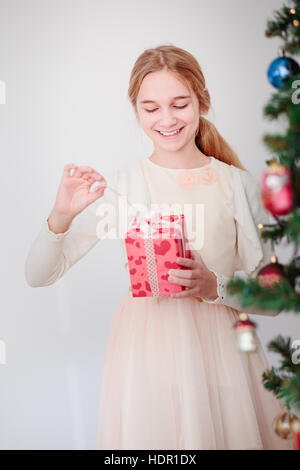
point(276, 186)
point(270, 274)
point(296, 435)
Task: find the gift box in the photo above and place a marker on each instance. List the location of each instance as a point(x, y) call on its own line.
point(153, 243)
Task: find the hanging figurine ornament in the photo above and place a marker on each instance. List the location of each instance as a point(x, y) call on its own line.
point(285, 423)
point(247, 340)
point(271, 274)
point(281, 69)
point(276, 189)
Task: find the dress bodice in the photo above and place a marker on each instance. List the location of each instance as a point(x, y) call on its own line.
point(201, 195)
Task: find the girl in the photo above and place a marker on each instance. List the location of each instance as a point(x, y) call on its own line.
point(173, 377)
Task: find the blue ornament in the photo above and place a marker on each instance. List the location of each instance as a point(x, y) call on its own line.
point(281, 69)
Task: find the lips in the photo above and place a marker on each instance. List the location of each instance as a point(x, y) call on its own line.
point(170, 136)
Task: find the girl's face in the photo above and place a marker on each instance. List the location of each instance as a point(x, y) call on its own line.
point(165, 104)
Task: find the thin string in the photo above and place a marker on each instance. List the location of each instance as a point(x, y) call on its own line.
point(138, 214)
point(129, 204)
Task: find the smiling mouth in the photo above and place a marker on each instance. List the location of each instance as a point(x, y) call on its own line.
point(171, 135)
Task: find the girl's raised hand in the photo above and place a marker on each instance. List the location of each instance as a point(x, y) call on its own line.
point(73, 194)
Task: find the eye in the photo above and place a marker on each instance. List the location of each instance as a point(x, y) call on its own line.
point(178, 107)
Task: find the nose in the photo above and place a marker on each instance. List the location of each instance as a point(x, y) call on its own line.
point(167, 119)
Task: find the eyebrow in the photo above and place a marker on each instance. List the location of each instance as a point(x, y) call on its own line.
point(175, 98)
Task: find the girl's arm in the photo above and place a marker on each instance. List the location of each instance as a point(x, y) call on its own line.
point(52, 254)
point(253, 253)
point(233, 300)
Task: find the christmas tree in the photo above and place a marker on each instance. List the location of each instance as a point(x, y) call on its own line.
point(277, 286)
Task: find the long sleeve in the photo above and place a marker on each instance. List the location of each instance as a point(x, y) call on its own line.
point(253, 252)
point(51, 255)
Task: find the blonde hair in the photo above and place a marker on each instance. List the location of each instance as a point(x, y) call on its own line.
point(188, 71)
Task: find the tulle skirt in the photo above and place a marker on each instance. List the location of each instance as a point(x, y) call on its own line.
point(173, 378)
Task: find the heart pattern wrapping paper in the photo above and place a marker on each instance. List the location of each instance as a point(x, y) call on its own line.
point(153, 244)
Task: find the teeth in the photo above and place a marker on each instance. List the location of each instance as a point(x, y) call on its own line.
point(170, 133)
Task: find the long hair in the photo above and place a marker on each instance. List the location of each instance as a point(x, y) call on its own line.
point(188, 71)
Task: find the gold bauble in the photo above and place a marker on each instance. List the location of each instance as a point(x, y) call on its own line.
point(284, 423)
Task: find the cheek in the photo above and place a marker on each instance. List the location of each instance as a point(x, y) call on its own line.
point(148, 122)
point(189, 116)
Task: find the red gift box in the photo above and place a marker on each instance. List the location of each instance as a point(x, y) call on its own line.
point(153, 244)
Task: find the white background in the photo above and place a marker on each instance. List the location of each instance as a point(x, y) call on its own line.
point(66, 65)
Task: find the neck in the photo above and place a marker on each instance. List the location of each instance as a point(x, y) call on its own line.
point(181, 159)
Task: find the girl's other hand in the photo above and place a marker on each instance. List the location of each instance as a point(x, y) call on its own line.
point(73, 194)
point(197, 278)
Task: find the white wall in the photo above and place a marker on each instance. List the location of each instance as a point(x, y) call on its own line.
point(66, 65)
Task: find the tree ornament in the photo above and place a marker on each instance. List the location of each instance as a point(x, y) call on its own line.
point(281, 69)
point(276, 187)
point(284, 423)
point(271, 274)
point(247, 340)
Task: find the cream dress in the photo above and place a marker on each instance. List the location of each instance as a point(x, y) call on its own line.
point(173, 377)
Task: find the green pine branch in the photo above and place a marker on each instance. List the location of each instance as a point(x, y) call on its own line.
point(281, 25)
point(289, 227)
point(251, 293)
point(290, 392)
point(284, 381)
point(284, 99)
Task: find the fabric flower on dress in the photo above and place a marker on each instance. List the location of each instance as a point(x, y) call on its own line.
point(207, 176)
point(188, 179)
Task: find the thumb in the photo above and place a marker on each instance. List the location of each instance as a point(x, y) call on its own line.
point(96, 193)
point(195, 255)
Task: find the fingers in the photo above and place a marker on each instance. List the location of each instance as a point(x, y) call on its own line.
point(85, 172)
point(185, 273)
point(185, 293)
point(69, 167)
point(81, 170)
point(92, 177)
point(182, 281)
point(77, 170)
point(96, 194)
point(196, 256)
point(188, 262)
